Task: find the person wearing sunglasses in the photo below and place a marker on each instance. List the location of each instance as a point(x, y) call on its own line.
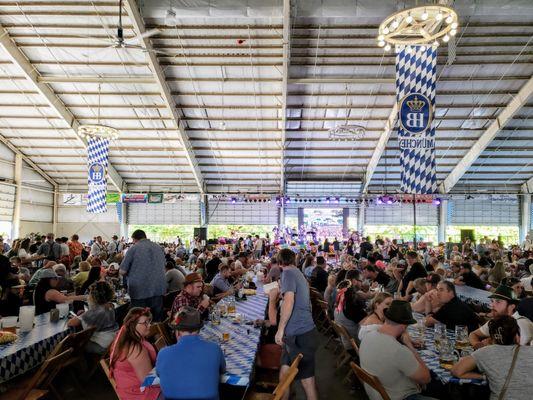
point(133, 357)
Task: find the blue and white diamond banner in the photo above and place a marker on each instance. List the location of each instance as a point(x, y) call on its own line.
point(97, 159)
point(416, 68)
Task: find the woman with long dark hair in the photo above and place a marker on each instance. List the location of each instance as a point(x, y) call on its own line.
point(132, 357)
point(94, 276)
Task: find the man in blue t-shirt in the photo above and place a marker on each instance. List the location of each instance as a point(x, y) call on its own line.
point(191, 368)
point(296, 330)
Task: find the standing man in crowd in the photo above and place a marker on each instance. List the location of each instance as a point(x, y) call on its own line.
point(97, 248)
point(296, 331)
point(144, 268)
point(258, 247)
point(49, 249)
point(114, 246)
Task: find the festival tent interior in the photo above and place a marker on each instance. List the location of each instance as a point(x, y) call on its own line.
point(297, 119)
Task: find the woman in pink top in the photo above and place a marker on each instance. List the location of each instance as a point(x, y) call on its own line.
point(132, 357)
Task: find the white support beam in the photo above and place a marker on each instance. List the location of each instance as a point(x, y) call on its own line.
point(380, 147)
point(527, 187)
point(19, 58)
point(15, 150)
point(525, 213)
point(138, 24)
point(443, 221)
point(15, 227)
point(487, 137)
point(285, 83)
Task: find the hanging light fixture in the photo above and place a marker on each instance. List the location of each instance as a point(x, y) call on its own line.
point(418, 26)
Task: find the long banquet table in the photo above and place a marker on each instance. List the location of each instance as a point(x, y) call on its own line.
point(472, 295)
point(241, 349)
point(31, 348)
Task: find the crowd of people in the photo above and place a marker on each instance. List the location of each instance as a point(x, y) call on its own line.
point(372, 289)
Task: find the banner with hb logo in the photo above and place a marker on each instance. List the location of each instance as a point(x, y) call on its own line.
point(415, 93)
point(97, 159)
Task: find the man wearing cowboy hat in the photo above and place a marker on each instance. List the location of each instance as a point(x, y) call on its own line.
point(389, 354)
point(503, 302)
point(192, 294)
point(199, 362)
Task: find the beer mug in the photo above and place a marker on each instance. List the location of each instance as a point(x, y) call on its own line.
point(440, 334)
point(447, 355)
point(461, 337)
point(223, 307)
point(225, 336)
point(215, 317)
point(232, 308)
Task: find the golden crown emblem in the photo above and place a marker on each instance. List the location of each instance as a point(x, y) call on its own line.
point(416, 104)
point(96, 168)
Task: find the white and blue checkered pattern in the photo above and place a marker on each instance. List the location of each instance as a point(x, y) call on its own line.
point(97, 152)
point(416, 73)
point(31, 348)
point(240, 350)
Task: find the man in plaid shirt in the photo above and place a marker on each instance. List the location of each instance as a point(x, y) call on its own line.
point(191, 295)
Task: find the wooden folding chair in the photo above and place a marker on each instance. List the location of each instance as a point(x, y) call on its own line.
point(166, 332)
point(40, 384)
point(331, 334)
point(160, 330)
point(369, 379)
point(344, 357)
point(160, 343)
point(283, 385)
point(104, 363)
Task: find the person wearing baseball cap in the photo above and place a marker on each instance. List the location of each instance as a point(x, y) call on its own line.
point(389, 354)
point(503, 302)
point(46, 296)
point(199, 362)
point(192, 294)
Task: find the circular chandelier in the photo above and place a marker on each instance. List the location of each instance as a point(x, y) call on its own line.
point(101, 131)
point(418, 26)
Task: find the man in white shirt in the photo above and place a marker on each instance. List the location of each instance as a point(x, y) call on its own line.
point(503, 303)
point(97, 247)
point(114, 246)
point(389, 354)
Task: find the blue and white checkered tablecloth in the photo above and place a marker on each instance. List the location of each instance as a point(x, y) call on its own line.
point(31, 348)
point(430, 356)
point(472, 295)
point(240, 350)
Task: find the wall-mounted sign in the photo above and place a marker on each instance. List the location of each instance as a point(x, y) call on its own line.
point(134, 198)
point(155, 198)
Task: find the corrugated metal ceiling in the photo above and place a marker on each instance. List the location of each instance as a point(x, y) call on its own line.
point(225, 75)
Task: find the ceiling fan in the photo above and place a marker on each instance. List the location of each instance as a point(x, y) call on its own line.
point(118, 41)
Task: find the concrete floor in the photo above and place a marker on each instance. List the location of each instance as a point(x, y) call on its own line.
point(330, 385)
